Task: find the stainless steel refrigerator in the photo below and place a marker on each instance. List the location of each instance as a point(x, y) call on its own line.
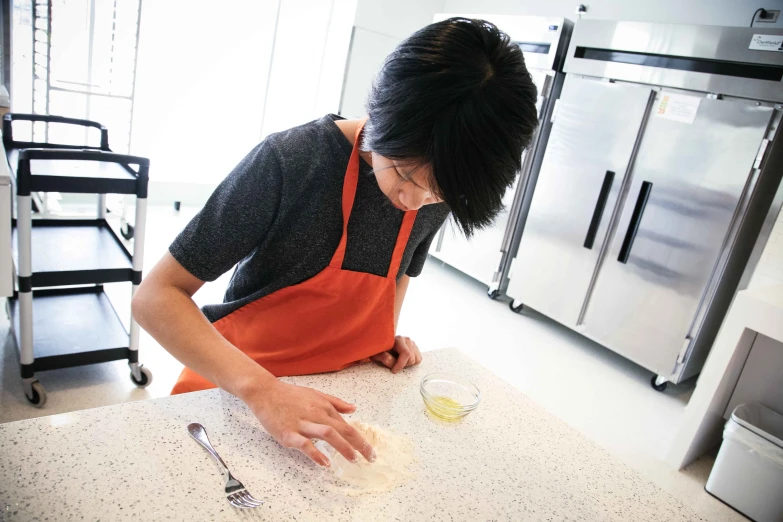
point(663, 162)
point(544, 42)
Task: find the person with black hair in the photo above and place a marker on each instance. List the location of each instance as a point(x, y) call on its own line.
point(326, 223)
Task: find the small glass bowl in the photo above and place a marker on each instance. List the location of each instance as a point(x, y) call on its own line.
point(449, 397)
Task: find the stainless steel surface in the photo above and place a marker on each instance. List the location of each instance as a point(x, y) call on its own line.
point(747, 206)
point(767, 197)
point(236, 493)
point(770, 217)
point(728, 44)
point(713, 170)
point(699, 172)
point(553, 269)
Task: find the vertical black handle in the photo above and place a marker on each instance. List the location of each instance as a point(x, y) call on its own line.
point(636, 219)
point(598, 213)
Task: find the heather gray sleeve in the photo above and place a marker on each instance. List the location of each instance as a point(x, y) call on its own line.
point(235, 219)
point(420, 255)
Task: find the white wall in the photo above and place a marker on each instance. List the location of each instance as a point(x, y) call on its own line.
point(199, 85)
point(706, 12)
point(213, 80)
point(380, 25)
point(308, 63)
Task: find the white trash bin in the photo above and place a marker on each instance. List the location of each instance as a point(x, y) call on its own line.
point(748, 473)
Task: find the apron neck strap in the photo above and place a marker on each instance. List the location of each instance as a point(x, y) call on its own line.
point(349, 194)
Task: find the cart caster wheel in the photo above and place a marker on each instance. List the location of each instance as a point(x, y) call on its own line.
point(515, 309)
point(494, 294)
point(39, 395)
point(127, 231)
point(146, 377)
point(656, 386)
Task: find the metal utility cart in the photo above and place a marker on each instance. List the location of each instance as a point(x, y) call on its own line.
point(486, 256)
point(68, 320)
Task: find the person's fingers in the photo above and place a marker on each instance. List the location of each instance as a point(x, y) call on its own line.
point(354, 438)
point(329, 434)
point(339, 404)
point(416, 354)
point(307, 447)
point(403, 355)
point(384, 358)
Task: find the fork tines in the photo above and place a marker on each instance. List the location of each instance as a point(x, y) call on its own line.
point(244, 500)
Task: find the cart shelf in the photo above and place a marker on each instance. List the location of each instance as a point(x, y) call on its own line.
point(76, 252)
point(75, 170)
point(73, 327)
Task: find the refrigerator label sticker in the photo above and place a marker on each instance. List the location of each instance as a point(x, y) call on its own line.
point(678, 107)
point(766, 42)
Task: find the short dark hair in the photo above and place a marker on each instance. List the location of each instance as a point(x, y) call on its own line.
point(456, 96)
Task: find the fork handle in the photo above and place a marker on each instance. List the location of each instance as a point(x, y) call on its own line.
point(199, 434)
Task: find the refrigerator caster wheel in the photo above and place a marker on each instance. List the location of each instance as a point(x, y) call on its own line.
point(656, 385)
point(146, 377)
point(494, 294)
point(516, 309)
point(38, 393)
point(127, 231)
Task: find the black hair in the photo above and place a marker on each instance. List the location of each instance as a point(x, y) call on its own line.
point(456, 96)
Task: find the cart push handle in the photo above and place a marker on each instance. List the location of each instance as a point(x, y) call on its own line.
point(10, 117)
point(24, 175)
point(82, 155)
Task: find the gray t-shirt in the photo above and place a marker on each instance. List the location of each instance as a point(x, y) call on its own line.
point(278, 218)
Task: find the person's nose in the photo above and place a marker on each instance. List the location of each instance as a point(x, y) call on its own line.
point(416, 198)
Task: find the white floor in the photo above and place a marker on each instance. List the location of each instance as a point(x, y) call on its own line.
point(596, 391)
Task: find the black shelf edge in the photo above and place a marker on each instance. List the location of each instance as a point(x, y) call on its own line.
point(68, 184)
point(82, 277)
point(58, 362)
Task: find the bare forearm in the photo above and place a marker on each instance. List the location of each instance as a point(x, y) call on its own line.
point(173, 319)
point(399, 297)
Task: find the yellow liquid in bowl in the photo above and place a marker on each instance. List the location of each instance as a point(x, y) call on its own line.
point(445, 408)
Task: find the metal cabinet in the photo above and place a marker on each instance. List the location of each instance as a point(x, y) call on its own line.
point(662, 162)
point(688, 181)
point(578, 187)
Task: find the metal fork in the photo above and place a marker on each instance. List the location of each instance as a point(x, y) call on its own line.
point(236, 493)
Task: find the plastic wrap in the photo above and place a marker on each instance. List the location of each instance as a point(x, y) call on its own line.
point(754, 443)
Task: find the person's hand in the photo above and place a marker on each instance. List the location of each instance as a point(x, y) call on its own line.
point(294, 415)
point(404, 353)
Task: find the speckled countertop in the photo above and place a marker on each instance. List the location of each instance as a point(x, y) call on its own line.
point(508, 460)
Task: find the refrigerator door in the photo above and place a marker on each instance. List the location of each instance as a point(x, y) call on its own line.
point(589, 149)
point(480, 256)
point(691, 171)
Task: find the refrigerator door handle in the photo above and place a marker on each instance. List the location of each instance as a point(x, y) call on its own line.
point(636, 219)
point(598, 213)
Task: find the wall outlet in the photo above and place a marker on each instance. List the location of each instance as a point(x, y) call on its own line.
point(771, 18)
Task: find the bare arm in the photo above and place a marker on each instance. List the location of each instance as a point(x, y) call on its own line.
point(293, 415)
point(399, 297)
point(405, 352)
point(163, 305)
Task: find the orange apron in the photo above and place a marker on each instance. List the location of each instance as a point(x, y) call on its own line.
point(324, 324)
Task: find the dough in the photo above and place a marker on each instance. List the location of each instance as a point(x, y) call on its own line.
point(394, 454)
